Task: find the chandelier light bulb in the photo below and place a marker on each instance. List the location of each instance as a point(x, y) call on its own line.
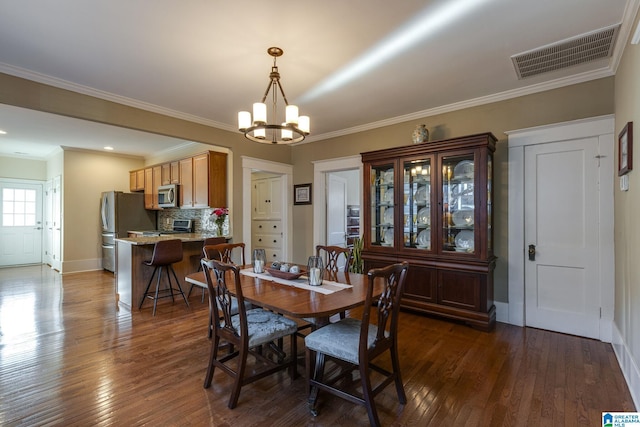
point(244, 120)
point(260, 133)
point(259, 113)
point(292, 114)
point(286, 134)
point(303, 124)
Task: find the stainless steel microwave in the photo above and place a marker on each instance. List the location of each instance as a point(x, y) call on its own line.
point(168, 196)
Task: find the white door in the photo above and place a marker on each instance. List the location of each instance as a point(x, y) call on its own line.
point(336, 211)
point(48, 222)
point(561, 215)
point(56, 211)
point(21, 228)
point(260, 201)
point(275, 197)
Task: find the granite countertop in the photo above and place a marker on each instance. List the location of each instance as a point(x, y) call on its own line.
point(150, 240)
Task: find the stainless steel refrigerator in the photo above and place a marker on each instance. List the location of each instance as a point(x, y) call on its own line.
point(119, 213)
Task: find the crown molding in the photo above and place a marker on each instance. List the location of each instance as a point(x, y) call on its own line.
point(107, 96)
point(501, 96)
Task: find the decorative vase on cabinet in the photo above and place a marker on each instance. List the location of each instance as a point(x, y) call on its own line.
point(431, 205)
point(420, 134)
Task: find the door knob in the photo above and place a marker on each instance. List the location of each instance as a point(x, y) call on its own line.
point(532, 252)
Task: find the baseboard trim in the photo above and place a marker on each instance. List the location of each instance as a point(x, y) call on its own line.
point(627, 365)
point(502, 311)
point(81, 265)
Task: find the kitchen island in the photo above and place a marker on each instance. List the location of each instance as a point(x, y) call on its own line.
point(132, 275)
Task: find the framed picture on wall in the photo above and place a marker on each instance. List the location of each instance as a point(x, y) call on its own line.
point(302, 194)
point(625, 149)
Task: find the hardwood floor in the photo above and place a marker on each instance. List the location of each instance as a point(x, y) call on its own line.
point(68, 356)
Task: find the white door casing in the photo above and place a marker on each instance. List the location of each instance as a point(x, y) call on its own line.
point(597, 242)
point(336, 211)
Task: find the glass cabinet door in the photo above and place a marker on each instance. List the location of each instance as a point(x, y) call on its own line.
point(417, 203)
point(490, 204)
point(382, 205)
point(458, 213)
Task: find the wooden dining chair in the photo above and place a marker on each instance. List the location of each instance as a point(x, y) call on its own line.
point(247, 331)
point(218, 248)
point(224, 252)
point(207, 242)
point(357, 343)
point(333, 257)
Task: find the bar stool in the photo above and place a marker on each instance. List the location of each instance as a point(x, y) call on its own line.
point(165, 253)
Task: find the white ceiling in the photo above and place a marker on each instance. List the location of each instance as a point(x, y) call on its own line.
point(349, 65)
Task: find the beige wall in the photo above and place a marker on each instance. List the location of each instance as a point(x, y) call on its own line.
point(590, 99)
point(11, 167)
point(627, 207)
point(86, 175)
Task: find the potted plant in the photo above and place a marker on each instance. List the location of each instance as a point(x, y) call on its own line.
point(356, 257)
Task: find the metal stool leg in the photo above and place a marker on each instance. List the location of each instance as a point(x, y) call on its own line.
point(146, 291)
point(178, 283)
point(155, 300)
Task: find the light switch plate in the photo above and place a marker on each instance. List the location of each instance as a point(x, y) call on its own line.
point(624, 183)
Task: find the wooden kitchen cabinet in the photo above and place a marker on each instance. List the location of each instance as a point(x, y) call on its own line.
point(185, 193)
point(431, 205)
point(152, 180)
point(203, 181)
point(171, 173)
point(136, 180)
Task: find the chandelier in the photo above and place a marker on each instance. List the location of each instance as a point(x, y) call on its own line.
point(294, 128)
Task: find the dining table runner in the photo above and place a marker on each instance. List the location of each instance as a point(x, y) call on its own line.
point(327, 287)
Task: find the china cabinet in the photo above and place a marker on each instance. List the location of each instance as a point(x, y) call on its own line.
point(431, 205)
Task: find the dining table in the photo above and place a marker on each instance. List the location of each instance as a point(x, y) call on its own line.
point(296, 298)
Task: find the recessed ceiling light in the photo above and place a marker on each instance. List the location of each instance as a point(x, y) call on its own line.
point(2, 132)
point(108, 148)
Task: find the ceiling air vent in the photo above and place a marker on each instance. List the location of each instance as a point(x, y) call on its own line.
point(567, 53)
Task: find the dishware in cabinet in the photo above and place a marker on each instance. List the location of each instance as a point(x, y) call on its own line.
point(431, 204)
point(417, 196)
point(381, 205)
point(458, 203)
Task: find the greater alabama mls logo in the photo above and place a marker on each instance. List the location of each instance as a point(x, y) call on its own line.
point(620, 419)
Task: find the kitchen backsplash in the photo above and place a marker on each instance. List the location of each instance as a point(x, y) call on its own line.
point(203, 222)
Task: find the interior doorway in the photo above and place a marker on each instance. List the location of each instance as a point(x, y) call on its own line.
point(321, 169)
point(285, 172)
point(561, 273)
